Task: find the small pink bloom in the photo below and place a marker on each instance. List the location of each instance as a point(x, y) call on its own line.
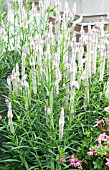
point(75, 165)
point(91, 152)
point(98, 122)
point(106, 109)
point(107, 159)
point(100, 146)
point(71, 163)
point(72, 156)
point(63, 159)
point(74, 159)
point(75, 162)
point(107, 163)
point(103, 137)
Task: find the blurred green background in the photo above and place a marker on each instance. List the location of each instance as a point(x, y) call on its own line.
point(1, 5)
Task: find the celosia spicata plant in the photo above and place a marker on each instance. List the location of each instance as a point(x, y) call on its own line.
point(56, 89)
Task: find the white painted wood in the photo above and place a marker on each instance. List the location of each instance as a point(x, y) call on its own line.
point(90, 7)
point(84, 7)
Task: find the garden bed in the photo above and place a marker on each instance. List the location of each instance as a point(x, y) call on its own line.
point(57, 94)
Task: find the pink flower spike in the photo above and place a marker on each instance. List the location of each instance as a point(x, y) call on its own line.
point(106, 109)
point(63, 159)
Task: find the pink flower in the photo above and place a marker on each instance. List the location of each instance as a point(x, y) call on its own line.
point(75, 162)
point(107, 163)
point(91, 152)
point(100, 146)
point(107, 159)
point(106, 109)
point(63, 159)
point(74, 159)
point(98, 122)
point(107, 119)
point(72, 156)
point(103, 137)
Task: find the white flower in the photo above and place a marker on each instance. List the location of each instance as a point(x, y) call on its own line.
point(24, 82)
point(61, 124)
point(75, 84)
point(10, 115)
point(84, 75)
point(107, 92)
